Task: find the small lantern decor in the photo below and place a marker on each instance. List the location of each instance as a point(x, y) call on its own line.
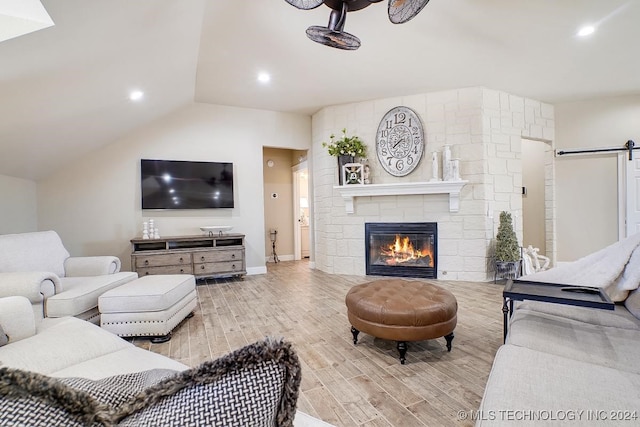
point(353, 173)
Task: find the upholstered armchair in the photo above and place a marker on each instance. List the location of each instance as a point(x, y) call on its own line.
point(37, 266)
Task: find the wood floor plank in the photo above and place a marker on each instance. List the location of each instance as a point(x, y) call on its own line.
point(377, 422)
point(356, 405)
point(344, 384)
point(388, 407)
point(328, 408)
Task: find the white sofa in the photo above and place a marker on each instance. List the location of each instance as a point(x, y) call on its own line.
point(563, 364)
point(70, 347)
point(37, 266)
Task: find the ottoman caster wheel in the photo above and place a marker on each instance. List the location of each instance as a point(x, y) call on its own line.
point(355, 333)
point(161, 339)
point(402, 348)
point(449, 339)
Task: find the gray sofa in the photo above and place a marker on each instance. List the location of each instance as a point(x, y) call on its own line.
point(43, 358)
point(566, 365)
point(37, 266)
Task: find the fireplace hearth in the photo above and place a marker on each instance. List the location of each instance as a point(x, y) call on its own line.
point(405, 249)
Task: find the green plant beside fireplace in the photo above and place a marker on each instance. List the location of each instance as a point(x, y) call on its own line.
point(507, 249)
point(345, 145)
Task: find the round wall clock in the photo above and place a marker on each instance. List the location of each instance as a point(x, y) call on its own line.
point(400, 141)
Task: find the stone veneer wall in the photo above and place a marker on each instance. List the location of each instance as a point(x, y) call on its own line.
point(484, 129)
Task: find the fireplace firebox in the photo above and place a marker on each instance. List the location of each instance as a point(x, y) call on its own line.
point(405, 249)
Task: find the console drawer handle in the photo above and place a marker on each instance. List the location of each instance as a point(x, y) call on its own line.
point(182, 270)
point(233, 266)
point(181, 259)
point(201, 258)
point(202, 267)
point(146, 262)
point(233, 256)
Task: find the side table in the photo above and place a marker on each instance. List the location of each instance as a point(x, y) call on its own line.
point(555, 293)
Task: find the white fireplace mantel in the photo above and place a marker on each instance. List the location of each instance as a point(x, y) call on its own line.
point(350, 192)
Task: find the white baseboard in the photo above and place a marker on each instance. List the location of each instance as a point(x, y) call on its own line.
point(256, 270)
point(280, 258)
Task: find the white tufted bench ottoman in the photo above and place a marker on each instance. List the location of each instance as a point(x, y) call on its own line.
point(149, 306)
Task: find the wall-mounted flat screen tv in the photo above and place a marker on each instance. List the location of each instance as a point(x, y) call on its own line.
point(176, 184)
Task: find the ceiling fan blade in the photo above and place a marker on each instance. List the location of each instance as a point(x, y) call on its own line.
point(401, 11)
point(305, 4)
point(337, 39)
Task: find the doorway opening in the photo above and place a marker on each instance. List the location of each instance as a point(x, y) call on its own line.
point(287, 207)
point(533, 192)
point(538, 197)
point(301, 211)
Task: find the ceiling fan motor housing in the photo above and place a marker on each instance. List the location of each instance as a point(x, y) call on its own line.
point(352, 5)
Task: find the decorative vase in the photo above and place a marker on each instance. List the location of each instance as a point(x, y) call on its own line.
point(434, 167)
point(343, 160)
point(455, 170)
point(446, 163)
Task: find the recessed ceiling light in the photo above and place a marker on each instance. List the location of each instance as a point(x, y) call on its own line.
point(586, 30)
point(136, 95)
point(264, 77)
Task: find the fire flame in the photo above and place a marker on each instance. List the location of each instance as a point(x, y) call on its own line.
point(402, 251)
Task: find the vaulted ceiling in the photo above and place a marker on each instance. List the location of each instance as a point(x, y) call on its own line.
point(64, 90)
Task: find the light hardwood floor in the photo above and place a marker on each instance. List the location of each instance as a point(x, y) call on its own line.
point(343, 384)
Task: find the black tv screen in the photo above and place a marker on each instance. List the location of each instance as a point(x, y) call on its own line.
point(176, 184)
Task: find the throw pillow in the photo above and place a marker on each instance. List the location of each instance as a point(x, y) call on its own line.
point(632, 303)
point(4, 339)
point(117, 390)
point(256, 385)
point(28, 398)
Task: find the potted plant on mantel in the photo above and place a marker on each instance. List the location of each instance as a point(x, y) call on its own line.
point(507, 248)
point(346, 149)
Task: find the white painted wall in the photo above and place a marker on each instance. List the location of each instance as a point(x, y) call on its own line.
point(586, 185)
point(18, 204)
point(95, 204)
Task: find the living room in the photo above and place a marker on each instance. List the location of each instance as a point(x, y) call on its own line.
point(76, 170)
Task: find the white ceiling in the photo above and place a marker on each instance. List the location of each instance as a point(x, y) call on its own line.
point(64, 89)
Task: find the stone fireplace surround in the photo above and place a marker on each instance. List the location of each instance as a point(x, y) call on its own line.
point(484, 129)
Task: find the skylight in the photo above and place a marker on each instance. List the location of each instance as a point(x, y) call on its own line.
point(20, 17)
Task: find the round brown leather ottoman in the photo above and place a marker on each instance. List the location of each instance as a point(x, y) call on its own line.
point(402, 310)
